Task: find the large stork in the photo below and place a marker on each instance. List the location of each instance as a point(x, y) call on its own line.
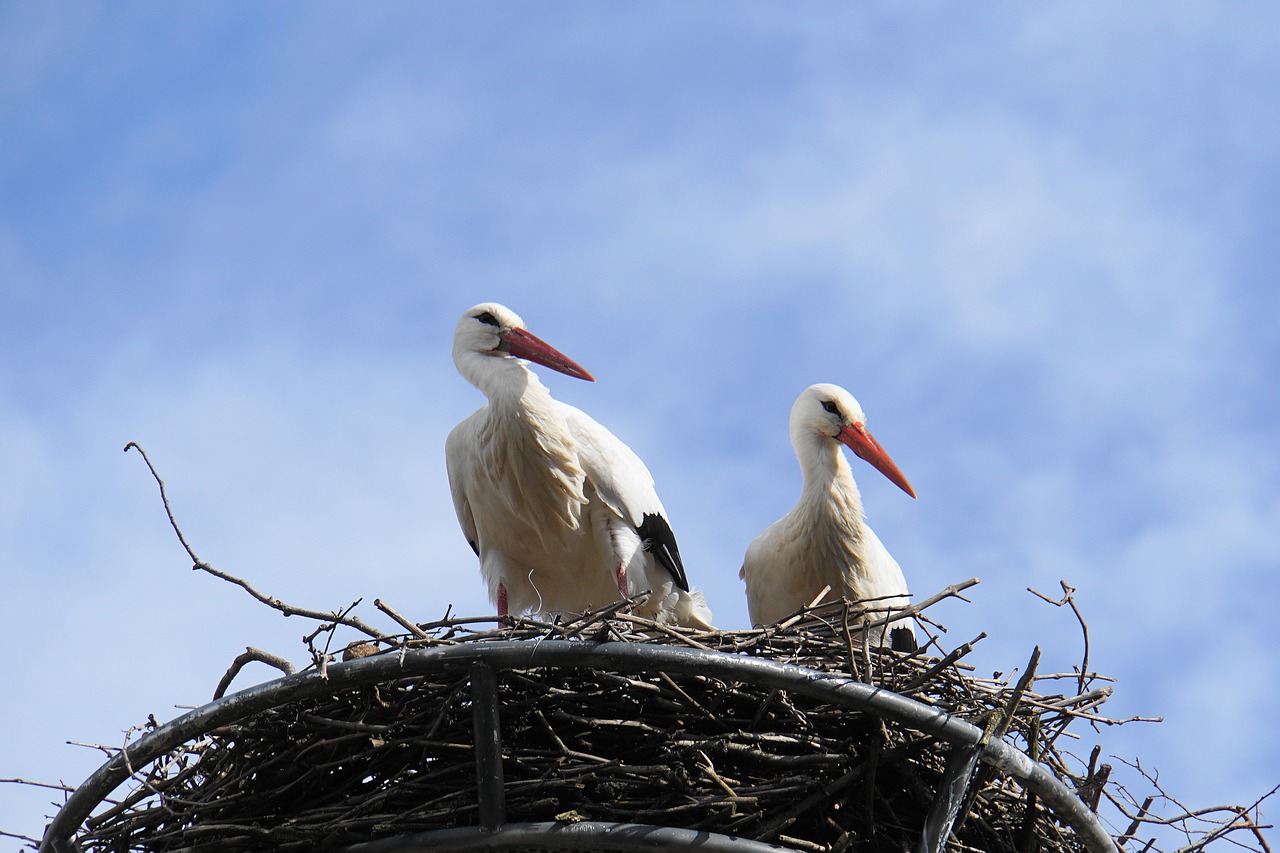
point(561, 513)
point(825, 541)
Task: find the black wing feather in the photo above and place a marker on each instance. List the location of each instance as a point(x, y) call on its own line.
point(658, 540)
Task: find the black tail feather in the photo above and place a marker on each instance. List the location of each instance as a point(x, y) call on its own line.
point(902, 639)
point(660, 541)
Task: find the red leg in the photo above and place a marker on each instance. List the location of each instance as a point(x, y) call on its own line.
point(502, 600)
point(618, 547)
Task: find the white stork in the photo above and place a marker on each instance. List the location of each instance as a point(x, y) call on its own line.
point(562, 515)
point(824, 540)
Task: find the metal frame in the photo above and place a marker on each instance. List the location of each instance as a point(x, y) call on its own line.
point(573, 654)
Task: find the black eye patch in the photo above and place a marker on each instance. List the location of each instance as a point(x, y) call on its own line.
point(488, 319)
point(831, 407)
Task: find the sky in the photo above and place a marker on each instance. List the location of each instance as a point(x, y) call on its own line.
point(1037, 242)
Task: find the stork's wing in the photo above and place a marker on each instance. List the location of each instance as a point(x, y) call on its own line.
point(459, 451)
point(884, 575)
point(625, 485)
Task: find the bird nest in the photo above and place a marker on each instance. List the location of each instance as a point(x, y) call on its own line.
point(801, 735)
point(677, 746)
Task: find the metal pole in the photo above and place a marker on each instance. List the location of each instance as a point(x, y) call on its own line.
point(488, 746)
point(950, 796)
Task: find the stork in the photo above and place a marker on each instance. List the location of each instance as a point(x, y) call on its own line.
point(825, 541)
point(561, 513)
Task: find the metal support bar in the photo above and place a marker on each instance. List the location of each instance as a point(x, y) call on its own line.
point(488, 746)
point(961, 763)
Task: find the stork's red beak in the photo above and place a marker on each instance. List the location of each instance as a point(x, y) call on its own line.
point(522, 344)
point(861, 442)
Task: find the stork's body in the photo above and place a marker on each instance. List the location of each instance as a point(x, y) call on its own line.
point(825, 541)
point(561, 513)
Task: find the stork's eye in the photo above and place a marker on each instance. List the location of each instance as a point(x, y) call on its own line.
point(831, 407)
point(488, 319)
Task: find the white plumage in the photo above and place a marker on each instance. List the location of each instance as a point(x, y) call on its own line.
point(562, 514)
point(824, 540)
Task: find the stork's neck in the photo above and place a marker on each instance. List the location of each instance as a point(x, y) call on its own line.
point(828, 480)
point(506, 381)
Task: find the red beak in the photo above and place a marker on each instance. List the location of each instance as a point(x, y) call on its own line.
point(861, 442)
point(522, 344)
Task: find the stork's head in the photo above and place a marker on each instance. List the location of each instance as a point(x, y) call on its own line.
point(490, 329)
point(830, 411)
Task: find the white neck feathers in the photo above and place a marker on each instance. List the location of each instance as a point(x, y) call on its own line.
point(506, 381)
point(829, 487)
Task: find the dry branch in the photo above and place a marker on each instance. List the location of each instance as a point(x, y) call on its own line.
point(271, 601)
point(249, 655)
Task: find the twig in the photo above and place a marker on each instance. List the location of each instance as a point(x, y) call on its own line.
point(950, 658)
point(848, 642)
point(1129, 833)
point(249, 655)
point(710, 769)
point(101, 747)
point(270, 601)
point(893, 613)
point(49, 785)
point(401, 620)
point(806, 610)
point(1093, 697)
point(1067, 598)
point(818, 598)
point(25, 838)
point(665, 629)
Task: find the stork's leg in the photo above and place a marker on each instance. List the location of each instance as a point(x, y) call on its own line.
point(620, 573)
point(502, 600)
point(624, 544)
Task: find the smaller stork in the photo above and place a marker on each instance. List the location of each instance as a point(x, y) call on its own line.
point(825, 541)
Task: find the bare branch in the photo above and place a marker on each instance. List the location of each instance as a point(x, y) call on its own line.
point(270, 601)
point(950, 658)
point(1067, 598)
point(49, 785)
point(1137, 822)
point(249, 655)
point(29, 840)
point(401, 620)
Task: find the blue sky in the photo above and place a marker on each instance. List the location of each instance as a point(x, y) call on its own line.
point(1037, 243)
